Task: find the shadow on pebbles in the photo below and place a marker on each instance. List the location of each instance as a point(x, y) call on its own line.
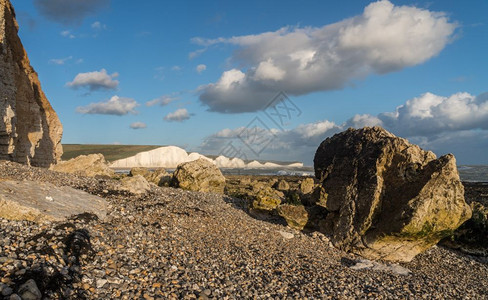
point(172, 243)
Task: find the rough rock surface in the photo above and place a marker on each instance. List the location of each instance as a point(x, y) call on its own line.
point(135, 185)
point(387, 198)
point(199, 175)
point(41, 202)
point(85, 165)
point(30, 131)
point(296, 216)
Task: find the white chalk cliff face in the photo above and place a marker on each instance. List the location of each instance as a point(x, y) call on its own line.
point(30, 131)
point(172, 156)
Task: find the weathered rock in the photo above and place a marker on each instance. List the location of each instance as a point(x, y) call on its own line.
point(42, 201)
point(296, 216)
point(307, 186)
point(387, 199)
point(160, 177)
point(144, 172)
point(85, 165)
point(264, 198)
point(472, 236)
point(30, 291)
point(135, 185)
point(199, 175)
point(30, 131)
point(282, 185)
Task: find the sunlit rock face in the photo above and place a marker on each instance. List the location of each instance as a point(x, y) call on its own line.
point(386, 198)
point(30, 130)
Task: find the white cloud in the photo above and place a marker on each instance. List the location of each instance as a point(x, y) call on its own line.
point(115, 106)
point(200, 68)
point(385, 38)
point(97, 25)
point(97, 80)
point(69, 12)
point(68, 34)
point(432, 114)
point(179, 115)
point(196, 53)
point(60, 61)
point(138, 125)
point(456, 124)
point(163, 100)
point(175, 68)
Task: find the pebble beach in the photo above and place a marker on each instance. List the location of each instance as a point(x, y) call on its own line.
point(176, 244)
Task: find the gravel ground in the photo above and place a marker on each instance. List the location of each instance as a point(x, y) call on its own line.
point(175, 244)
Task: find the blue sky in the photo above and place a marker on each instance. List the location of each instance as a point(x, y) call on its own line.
point(196, 74)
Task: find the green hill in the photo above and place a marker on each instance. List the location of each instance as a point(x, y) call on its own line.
point(111, 152)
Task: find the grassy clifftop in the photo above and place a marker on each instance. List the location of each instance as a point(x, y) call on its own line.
point(111, 152)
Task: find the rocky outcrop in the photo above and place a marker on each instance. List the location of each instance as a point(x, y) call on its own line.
point(30, 131)
point(85, 165)
point(386, 198)
point(199, 175)
point(41, 202)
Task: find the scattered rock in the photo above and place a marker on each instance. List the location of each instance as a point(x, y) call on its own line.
point(144, 172)
point(85, 165)
point(135, 185)
point(307, 186)
point(363, 264)
point(296, 216)
point(282, 186)
point(160, 177)
point(30, 131)
point(41, 201)
point(286, 235)
point(387, 199)
point(199, 175)
point(264, 198)
point(29, 291)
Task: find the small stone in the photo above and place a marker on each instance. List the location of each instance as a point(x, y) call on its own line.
point(101, 283)
point(6, 291)
point(30, 291)
point(286, 235)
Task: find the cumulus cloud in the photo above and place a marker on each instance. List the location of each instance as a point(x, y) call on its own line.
point(179, 115)
point(431, 114)
point(138, 125)
point(60, 61)
point(94, 81)
point(384, 38)
point(69, 12)
point(444, 124)
point(118, 106)
point(163, 100)
point(200, 68)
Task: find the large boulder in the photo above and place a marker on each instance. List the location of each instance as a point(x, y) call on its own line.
point(30, 130)
point(386, 198)
point(41, 202)
point(199, 175)
point(85, 165)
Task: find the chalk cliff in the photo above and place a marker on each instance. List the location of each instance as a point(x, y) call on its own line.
point(30, 131)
